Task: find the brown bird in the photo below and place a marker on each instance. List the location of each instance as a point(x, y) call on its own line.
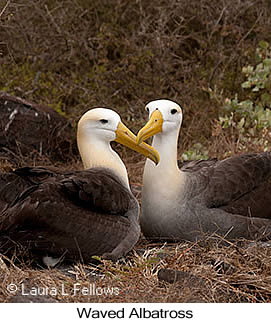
point(230, 197)
point(79, 213)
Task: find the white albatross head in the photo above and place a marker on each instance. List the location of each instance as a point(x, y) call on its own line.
point(165, 116)
point(96, 129)
point(99, 124)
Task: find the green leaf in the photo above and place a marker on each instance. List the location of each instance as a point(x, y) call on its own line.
point(241, 123)
point(266, 98)
point(263, 44)
point(246, 85)
point(256, 89)
point(267, 62)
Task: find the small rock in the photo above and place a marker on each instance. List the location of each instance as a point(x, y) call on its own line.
point(173, 276)
point(32, 299)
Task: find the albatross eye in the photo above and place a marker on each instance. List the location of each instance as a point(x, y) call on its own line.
point(104, 121)
point(147, 109)
point(173, 111)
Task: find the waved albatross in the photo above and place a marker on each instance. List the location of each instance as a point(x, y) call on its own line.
point(78, 213)
point(230, 197)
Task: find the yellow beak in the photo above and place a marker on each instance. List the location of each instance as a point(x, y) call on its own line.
point(125, 137)
point(152, 127)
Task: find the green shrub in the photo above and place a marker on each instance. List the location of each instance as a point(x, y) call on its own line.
point(251, 117)
point(197, 151)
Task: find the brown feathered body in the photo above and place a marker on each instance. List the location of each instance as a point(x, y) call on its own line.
point(77, 214)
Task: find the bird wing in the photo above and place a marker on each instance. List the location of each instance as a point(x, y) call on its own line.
point(12, 184)
point(195, 165)
point(240, 184)
point(84, 212)
point(37, 175)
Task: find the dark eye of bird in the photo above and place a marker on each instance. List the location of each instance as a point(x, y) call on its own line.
point(173, 111)
point(104, 121)
point(147, 109)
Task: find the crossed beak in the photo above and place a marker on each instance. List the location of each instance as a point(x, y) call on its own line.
point(125, 137)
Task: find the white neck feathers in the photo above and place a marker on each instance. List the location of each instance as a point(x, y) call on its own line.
point(98, 153)
point(165, 180)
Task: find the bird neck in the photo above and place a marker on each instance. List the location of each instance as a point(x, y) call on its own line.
point(166, 173)
point(98, 153)
point(166, 145)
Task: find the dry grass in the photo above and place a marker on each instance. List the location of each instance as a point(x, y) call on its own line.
point(231, 272)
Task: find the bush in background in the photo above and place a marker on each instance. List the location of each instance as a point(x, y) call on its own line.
point(73, 55)
point(249, 119)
